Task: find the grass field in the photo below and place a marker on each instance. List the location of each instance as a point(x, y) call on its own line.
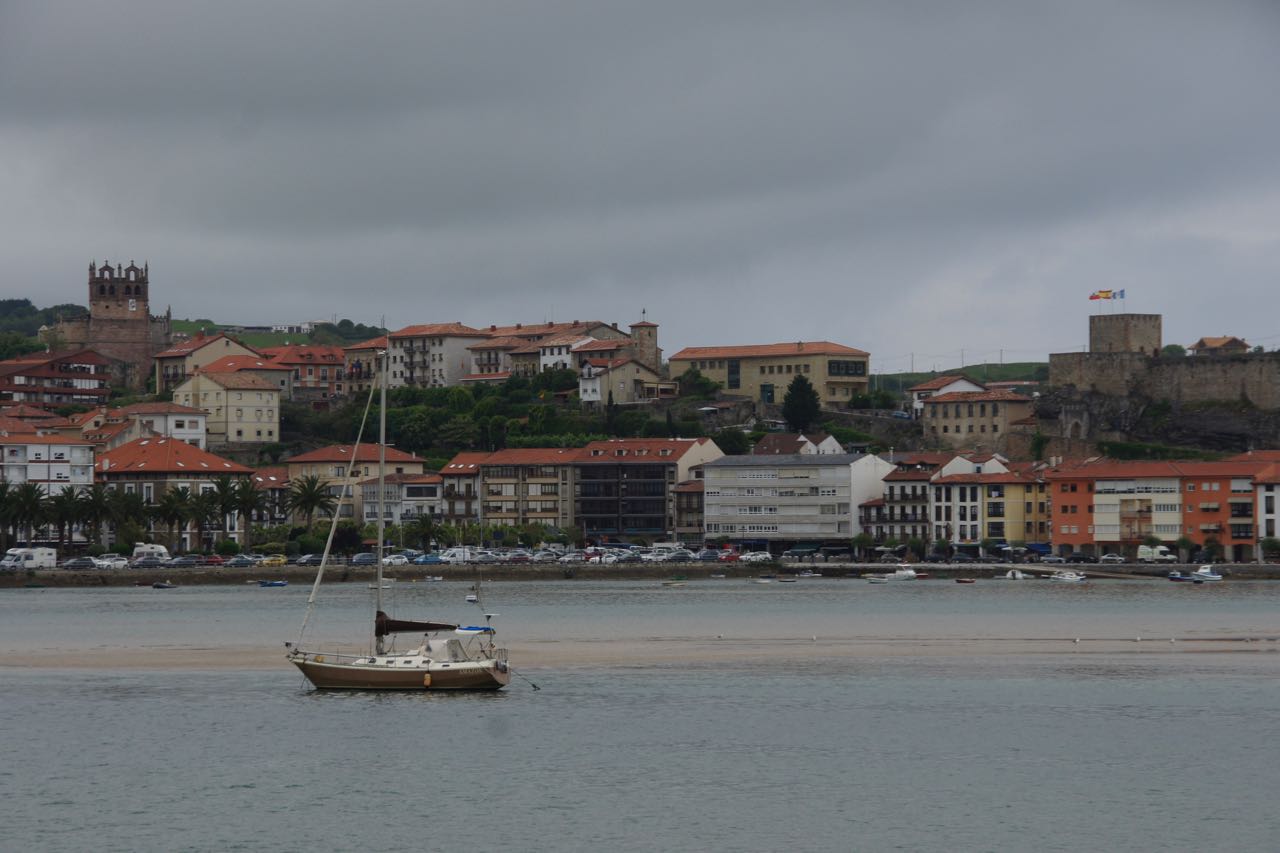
point(1022, 370)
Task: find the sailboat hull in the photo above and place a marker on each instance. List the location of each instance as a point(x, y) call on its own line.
point(468, 675)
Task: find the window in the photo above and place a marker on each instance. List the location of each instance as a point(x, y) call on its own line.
point(846, 368)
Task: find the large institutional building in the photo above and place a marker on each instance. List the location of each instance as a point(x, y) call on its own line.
point(120, 324)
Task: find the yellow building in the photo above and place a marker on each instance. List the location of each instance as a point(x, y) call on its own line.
point(763, 371)
point(973, 418)
point(242, 408)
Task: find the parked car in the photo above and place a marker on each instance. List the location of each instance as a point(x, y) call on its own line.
point(962, 558)
point(214, 560)
point(707, 555)
point(428, 560)
point(755, 557)
point(1053, 559)
point(729, 556)
point(1111, 558)
point(395, 560)
point(272, 560)
point(149, 563)
point(364, 558)
point(573, 557)
point(239, 561)
point(186, 561)
point(81, 563)
point(545, 557)
point(310, 559)
point(1079, 557)
point(111, 561)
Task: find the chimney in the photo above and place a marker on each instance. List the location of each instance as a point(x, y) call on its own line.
point(800, 345)
point(493, 328)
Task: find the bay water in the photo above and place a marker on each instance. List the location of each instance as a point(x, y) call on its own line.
point(827, 715)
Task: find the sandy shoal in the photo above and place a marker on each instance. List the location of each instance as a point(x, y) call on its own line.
point(656, 652)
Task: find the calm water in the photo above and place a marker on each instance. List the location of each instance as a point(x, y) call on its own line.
point(1126, 751)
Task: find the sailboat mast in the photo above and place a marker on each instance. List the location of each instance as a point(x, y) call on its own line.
point(382, 472)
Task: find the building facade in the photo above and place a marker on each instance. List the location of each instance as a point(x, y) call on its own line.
point(763, 372)
point(68, 377)
point(241, 408)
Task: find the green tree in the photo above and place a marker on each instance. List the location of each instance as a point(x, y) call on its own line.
point(205, 512)
point(458, 433)
point(96, 505)
point(1039, 441)
point(66, 511)
point(733, 441)
point(248, 500)
point(1173, 351)
point(1270, 547)
point(1185, 546)
point(308, 495)
point(225, 492)
point(6, 512)
point(172, 510)
point(862, 545)
point(29, 509)
point(801, 406)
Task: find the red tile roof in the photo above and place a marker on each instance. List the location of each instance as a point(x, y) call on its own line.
point(304, 354)
point(24, 412)
point(602, 346)
point(236, 363)
point(239, 381)
point(187, 347)
point(465, 463)
point(986, 477)
point(158, 409)
point(275, 477)
point(498, 376)
point(32, 438)
point(638, 450)
point(165, 456)
point(12, 425)
point(1114, 469)
point(767, 350)
point(977, 397)
point(783, 443)
point(521, 330)
point(439, 330)
point(503, 342)
point(533, 456)
point(690, 487)
point(342, 453)
point(372, 343)
point(942, 382)
point(909, 475)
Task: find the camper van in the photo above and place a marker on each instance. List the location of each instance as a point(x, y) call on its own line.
point(30, 558)
point(144, 550)
point(460, 554)
point(1156, 554)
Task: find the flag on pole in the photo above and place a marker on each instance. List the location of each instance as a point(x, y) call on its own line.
point(1119, 294)
point(1101, 294)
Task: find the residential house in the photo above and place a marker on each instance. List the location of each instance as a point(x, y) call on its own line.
point(432, 355)
point(461, 481)
point(406, 498)
point(319, 372)
point(788, 444)
point(273, 482)
point(335, 463)
point(946, 384)
point(44, 379)
point(491, 359)
point(764, 371)
point(1108, 505)
point(361, 364)
point(260, 366)
point(974, 419)
point(110, 428)
point(690, 522)
point(627, 380)
point(242, 408)
point(181, 361)
point(985, 498)
point(777, 502)
point(153, 466)
point(53, 462)
point(625, 487)
point(1226, 345)
point(528, 486)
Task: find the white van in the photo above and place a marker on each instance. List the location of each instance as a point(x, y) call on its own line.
point(30, 558)
point(461, 554)
point(144, 550)
point(1158, 554)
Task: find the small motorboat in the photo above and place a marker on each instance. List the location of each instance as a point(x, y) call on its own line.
point(472, 598)
point(164, 585)
point(966, 580)
point(903, 573)
point(1015, 575)
point(809, 573)
point(716, 577)
point(675, 583)
point(1205, 573)
point(434, 578)
point(273, 583)
point(1067, 577)
point(877, 579)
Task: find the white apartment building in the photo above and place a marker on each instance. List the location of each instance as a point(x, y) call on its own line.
point(52, 462)
point(434, 355)
point(760, 501)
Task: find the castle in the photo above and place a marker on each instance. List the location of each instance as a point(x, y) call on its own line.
point(120, 324)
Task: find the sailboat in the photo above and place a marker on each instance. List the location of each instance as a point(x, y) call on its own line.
point(446, 657)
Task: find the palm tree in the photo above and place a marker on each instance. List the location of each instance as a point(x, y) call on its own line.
point(309, 495)
point(6, 512)
point(66, 510)
point(30, 506)
point(248, 500)
point(205, 510)
point(224, 487)
point(127, 507)
point(96, 508)
point(172, 511)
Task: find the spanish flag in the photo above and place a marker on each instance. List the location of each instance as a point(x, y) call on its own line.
point(1100, 294)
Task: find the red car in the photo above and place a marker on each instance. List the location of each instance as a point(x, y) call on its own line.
point(213, 560)
point(728, 557)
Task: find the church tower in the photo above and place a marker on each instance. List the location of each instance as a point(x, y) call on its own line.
point(119, 293)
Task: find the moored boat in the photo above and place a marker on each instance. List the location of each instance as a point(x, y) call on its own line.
point(1067, 577)
point(273, 583)
point(1205, 573)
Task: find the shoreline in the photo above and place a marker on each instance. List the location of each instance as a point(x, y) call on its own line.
point(215, 576)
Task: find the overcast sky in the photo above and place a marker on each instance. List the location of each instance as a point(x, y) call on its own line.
point(903, 177)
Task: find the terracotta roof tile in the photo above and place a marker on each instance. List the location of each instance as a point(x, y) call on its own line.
point(166, 456)
point(239, 381)
point(373, 343)
point(638, 450)
point(187, 347)
point(465, 463)
point(977, 397)
point(794, 348)
point(342, 453)
point(942, 382)
point(439, 330)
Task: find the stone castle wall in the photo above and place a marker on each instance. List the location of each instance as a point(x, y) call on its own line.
point(133, 341)
point(1130, 333)
point(1253, 378)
